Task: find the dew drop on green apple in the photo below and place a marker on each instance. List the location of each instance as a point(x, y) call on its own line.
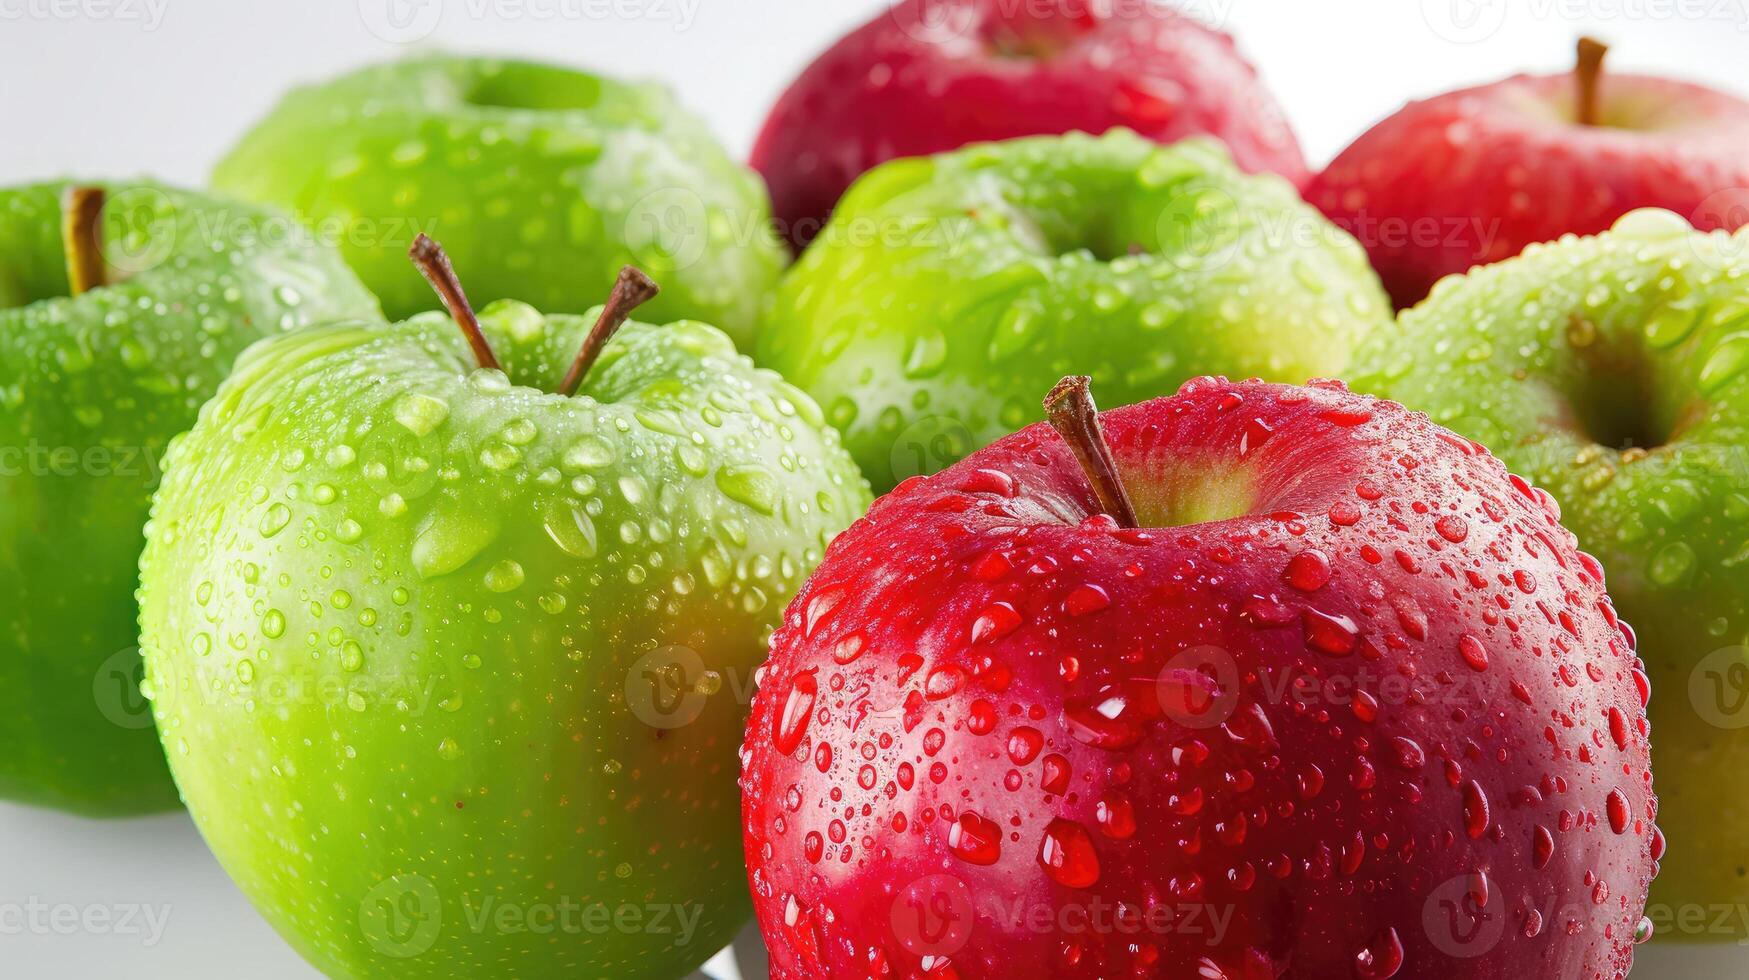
point(274, 520)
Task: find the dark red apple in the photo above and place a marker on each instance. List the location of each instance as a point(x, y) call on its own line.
point(927, 76)
point(1471, 177)
point(1348, 703)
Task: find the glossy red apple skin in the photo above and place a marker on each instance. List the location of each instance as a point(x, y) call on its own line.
point(939, 683)
point(1471, 177)
point(927, 76)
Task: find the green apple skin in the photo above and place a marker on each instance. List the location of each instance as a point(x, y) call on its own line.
point(1557, 361)
point(946, 293)
point(543, 182)
point(92, 388)
point(394, 611)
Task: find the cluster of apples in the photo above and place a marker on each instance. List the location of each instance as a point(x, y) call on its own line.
point(462, 615)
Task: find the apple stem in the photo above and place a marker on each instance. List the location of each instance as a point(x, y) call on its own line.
point(82, 236)
point(1590, 74)
point(631, 290)
point(433, 263)
point(1072, 413)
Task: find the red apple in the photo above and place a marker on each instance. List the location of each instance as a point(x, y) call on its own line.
point(1348, 703)
point(1472, 177)
point(927, 76)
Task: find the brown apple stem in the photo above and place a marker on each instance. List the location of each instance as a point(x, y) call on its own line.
point(432, 262)
point(82, 236)
point(1590, 75)
point(1072, 413)
point(631, 290)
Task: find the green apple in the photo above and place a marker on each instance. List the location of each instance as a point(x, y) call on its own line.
point(946, 292)
point(546, 179)
point(99, 374)
point(1614, 372)
point(451, 666)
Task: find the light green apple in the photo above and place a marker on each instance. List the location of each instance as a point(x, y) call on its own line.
point(545, 179)
point(946, 292)
point(439, 652)
point(1614, 372)
point(95, 378)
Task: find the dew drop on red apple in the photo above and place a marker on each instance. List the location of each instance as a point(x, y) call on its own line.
point(1331, 634)
point(1067, 855)
point(1617, 808)
point(1542, 847)
point(1473, 652)
point(792, 721)
point(1024, 744)
point(1381, 957)
point(1308, 571)
point(974, 839)
point(1476, 810)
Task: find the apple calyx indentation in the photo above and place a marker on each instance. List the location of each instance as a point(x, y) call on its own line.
point(1071, 411)
point(631, 290)
point(82, 236)
point(1590, 76)
point(433, 263)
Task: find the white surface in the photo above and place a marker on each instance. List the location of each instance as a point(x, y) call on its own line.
point(161, 87)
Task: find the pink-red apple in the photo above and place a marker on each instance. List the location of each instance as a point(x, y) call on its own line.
point(1471, 177)
point(1346, 701)
point(927, 76)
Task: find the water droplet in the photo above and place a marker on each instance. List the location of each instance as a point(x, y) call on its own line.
point(974, 839)
point(420, 413)
point(1066, 854)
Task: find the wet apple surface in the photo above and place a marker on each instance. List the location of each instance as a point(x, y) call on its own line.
point(1348, 702)
point(1614, 370)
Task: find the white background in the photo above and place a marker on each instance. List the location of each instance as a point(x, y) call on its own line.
point(114, 88)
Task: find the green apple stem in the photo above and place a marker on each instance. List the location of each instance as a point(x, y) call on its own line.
point(631, 290)
point(1590, 75)
point(1072, 413)
point(433, 263)
point(82, 236)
